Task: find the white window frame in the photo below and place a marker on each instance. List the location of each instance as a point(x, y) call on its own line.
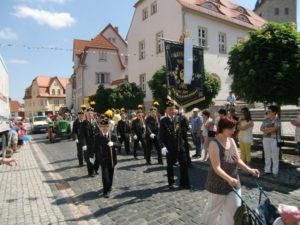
point(145, 13)
point(222, 43)
point(56, 102)
point(159, 42)
point(142, 49)
point(154, 8)
point(102, 78)
point(102, 56)
point(142, 82)
point(202, 39)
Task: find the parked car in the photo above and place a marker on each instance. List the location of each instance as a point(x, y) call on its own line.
point(39, 124)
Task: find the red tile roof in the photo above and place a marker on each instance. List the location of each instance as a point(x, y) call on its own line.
point(15, 106)
point(226, 10)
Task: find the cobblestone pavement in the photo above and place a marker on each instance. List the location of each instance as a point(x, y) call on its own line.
point(140, 194)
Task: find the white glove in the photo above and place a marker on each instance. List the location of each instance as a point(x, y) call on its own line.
point(135, 137)
point(110, 144)
point(84, 148)
point(119, 137)
point(152, 136)
point(77, 141)
point(164, 151)
point(190, 126)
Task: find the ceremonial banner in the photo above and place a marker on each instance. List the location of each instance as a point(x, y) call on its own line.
point(184, 95)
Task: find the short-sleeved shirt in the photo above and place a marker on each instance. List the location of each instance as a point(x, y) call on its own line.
point(196, 122)
point(271, 123)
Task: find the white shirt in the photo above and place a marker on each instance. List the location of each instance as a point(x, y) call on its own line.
point(246, 136)
point(297, 131)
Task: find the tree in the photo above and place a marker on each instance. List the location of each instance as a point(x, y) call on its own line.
point(127, 95)
point(266, 67)
point(158, 86)
point(103, 99)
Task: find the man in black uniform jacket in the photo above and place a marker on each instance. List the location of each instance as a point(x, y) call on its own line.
point(123, 130)
point(170, 135)
point(184, 125)
point(138, 130)
point(89, 130)
point(105, 141)
point(152, 131)
point(78, 136)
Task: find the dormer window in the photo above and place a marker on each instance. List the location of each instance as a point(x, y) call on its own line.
point(210, 6)
point(241, 10)
point(243, 18)
point(53, 91)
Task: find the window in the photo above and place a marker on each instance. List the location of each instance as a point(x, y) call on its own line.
point(210, 6)
point(243, 18)
point(240, 40)
point(56, 102)
point(41, 102)
point(112, 39)
point(202, 33)
point(222, 43)
point(58, 92)
point(102, 78)
point(53, 91)
point(276, 11)
point(286, 11)
point(260, 14)
point(143, 82)
point(103, 56)
point(145, 13)
point(142, 52)
point(153, 8)
point(159, 42)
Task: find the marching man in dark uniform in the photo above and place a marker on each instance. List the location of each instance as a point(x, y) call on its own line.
point(123, 130)
point(89, 129)
point(77, 135)
point(170, 135)
point(104, 145)
point(138, 128)
point(152, 131)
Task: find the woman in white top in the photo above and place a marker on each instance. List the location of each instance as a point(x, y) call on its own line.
point(245, 128)
point(208, 133)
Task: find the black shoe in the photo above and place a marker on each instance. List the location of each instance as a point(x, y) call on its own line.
point(91, 175)
point(106, 195)
point(81, 165)
point(171, 186)
point(185, 187)
point(196, 156)
point(96, 172)
point(148, 163)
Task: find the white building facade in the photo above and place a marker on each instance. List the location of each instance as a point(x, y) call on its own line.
point(100, 61)
point(215, 25)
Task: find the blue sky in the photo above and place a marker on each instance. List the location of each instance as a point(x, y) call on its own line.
point(55, 23)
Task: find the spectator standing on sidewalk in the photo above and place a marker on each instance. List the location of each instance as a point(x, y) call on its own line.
point(270, 128)
point(245, 136)
point(296, 123)
point(208, 131)
point(223, 176)
point(197, 122)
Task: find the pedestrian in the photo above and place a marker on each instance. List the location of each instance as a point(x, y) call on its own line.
point(231, 100)
point(123, 131)
point(208, 132)
point(296, 123)
point(138, 131)
point(106, 155)
point(245, 137)
point(223, 176)
point(78, 135)
point(170, 136)
point(197, 122)
point(184, 124)
point(270, 128)
point(152, 139)
point(222, 113)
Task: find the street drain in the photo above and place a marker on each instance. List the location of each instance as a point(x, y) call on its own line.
point(62, 185)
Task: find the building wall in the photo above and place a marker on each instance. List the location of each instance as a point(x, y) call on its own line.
point(163, 20)
point(214, 61)
point(267, 10)
point(69, 96)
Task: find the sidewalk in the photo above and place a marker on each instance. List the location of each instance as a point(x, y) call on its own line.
point(25, 197)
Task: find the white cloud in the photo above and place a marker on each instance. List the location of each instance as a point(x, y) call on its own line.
point(7, 34)
point(55, 20)
point(18, 61)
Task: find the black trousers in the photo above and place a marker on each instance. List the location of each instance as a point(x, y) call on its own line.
point(97, 161)
point(79, 153)
point(183, 168)
point(107, 177)
point(150, 143)
point(187, 150)
point(90, 166)
point(136, 145)
point(125, 139)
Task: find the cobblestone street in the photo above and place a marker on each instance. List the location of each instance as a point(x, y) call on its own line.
point(48, 187)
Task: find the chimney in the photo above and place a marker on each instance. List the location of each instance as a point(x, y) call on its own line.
point(117, 29)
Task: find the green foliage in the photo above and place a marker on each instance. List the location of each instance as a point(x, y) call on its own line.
point(158, 86)
point(266, 67)
point(127, 95)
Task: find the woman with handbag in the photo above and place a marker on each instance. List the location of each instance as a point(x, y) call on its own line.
point(208, 132)
point(270, 128)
